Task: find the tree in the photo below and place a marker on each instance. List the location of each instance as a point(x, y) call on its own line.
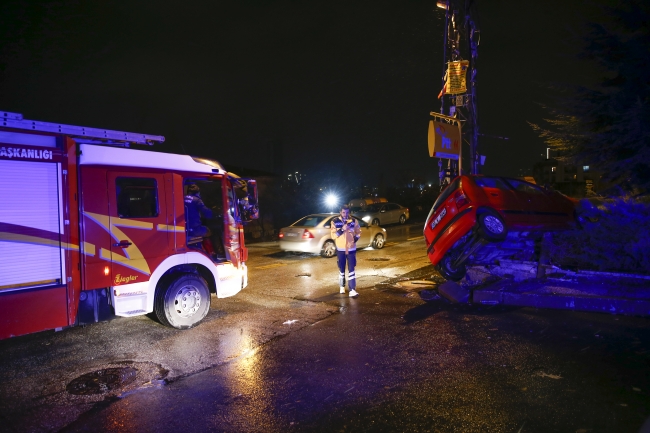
point(607, 125)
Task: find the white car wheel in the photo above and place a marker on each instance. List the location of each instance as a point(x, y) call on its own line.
point(329, 249)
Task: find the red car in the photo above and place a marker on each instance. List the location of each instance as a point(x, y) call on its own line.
point(475, 210)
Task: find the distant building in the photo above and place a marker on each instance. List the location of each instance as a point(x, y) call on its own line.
point(574, 181)
point(524, 172)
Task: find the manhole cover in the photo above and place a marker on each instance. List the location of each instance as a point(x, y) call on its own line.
point(379, 259)
point(101, 381)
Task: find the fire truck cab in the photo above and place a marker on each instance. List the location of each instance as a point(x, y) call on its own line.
point(93, 227)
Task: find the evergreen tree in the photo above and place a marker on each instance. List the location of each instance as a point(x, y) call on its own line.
point(607, 125)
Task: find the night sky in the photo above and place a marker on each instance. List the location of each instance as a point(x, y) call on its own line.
point(340, 84)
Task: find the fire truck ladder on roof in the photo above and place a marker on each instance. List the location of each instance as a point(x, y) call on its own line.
point(15, 120)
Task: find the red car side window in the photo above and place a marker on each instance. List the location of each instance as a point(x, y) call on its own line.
point(526, 187)
point(491, 182)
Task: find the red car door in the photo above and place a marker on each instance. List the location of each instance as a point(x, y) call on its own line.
point(538, 207)
point(503, 198)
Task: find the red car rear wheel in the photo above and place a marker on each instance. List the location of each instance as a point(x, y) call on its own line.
point(448, 270)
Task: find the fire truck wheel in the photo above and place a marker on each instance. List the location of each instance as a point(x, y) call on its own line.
point(182, 301)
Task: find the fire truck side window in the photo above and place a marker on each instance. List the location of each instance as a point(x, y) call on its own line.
point(137, 197)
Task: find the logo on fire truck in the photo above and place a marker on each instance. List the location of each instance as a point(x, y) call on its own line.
point(119, 279)
point(15, 152)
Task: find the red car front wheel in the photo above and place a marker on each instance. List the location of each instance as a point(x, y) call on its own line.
point(491, 227)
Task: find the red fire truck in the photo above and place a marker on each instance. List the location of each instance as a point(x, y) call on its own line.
point(93, 227)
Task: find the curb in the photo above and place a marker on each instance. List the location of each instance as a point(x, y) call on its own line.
point(602, 292)
point(495, 295)
point(454, 292)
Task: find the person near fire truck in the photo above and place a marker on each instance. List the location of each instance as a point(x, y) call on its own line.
point(345, 231)
point(195, 212)
point(195, 209)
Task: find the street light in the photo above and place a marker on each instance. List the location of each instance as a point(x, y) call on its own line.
point(331, 200)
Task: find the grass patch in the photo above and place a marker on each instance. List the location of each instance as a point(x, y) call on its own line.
point(617, 239)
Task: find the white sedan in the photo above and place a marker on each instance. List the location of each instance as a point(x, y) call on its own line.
point(311, 234)
point(383, 214)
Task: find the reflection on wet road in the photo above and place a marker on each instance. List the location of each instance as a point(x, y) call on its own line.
point(392, 362)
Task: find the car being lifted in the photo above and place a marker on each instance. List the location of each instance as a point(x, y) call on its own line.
point(476, 210)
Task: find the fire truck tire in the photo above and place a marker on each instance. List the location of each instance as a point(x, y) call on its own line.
point(182, 300)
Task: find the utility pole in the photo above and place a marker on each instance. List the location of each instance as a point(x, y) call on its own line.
point(473, 39)
point(461, 40)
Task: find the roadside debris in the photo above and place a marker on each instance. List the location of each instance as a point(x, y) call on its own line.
point(550, 376)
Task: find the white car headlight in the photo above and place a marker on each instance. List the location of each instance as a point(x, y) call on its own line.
point(366, 218)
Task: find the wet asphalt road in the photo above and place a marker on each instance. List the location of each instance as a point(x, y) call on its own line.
point(396, 359)
point(391, 362)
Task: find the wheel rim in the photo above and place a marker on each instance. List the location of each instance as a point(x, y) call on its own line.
point(449, 259)
point(379, 241)
point(402, 219)
point(447, 263)
point(493, 224)
point(329, 249)
point(187, 301)
point(375, 222)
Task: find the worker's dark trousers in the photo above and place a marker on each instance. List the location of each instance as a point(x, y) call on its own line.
point(351, 258)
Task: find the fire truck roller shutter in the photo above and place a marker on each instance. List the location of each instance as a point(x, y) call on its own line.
point(30, 224)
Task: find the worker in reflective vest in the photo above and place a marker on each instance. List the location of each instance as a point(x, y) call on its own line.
point(345, 231)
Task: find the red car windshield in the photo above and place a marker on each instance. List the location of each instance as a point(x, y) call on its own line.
point(447, 192)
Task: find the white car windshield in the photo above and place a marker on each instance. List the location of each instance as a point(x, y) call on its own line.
point(309, 221)
point(373, 208)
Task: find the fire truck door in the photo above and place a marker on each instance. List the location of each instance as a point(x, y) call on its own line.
point(138, 225)
point(233, 225)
